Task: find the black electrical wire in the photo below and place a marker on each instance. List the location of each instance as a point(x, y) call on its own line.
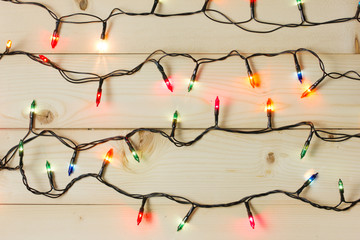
point(55, 192)
point(205, 10)
point(77, 77)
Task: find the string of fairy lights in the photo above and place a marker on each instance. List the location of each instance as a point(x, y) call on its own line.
point(56, 192)
point(210, 13)
point(77, 77)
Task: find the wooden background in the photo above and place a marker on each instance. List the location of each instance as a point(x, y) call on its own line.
point(221, 167)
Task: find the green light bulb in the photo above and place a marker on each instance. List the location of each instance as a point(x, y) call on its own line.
point(21, 148)
point(48, 167)
point(186, 218)
point(135, 155)
point(174, 123)
point(341, 186)
point(193, 77)
point(191, 84)
point(175, 117)
point(304, 150)
point(33, 107)
point(298, 1)
point(132, 150)
point(306, 145)
point(50, 174)
point(181, 225)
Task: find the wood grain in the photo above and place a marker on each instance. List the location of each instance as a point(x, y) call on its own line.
point(191, 34)
point(221, 167)
point(127, 101)
point(119, 221)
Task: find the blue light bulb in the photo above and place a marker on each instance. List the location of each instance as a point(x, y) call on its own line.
point(312, 178)
point(71, 169)
point(300, 76)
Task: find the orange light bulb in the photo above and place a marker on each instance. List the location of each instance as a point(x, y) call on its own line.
point(109, 156)
point(307, 92)
point(269, 105)
point(251, 79)
point(8, 44)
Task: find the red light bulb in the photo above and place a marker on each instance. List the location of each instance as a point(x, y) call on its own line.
point(98, 97)
point(140, 216)
point(216, 110)
point(217, 104)
point(141, 211)
point(252, 222)
point(54, 39)
point(251, 218)
point(168, 84)
point(44, 59)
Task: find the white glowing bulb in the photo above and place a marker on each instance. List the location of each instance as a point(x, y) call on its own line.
point(102, 46)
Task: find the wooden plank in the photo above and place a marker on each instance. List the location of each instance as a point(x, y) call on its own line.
point(222, 167)
point(191, 34)
point(108, 222)
point(142, 100)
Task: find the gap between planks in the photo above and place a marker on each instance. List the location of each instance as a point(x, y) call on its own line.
point(167, 129)
point(130, 204)
point(357, 51)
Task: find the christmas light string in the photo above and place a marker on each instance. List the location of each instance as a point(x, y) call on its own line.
point(338, 137)
point(55, 192)
point(156, 57)
point(206, 10)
